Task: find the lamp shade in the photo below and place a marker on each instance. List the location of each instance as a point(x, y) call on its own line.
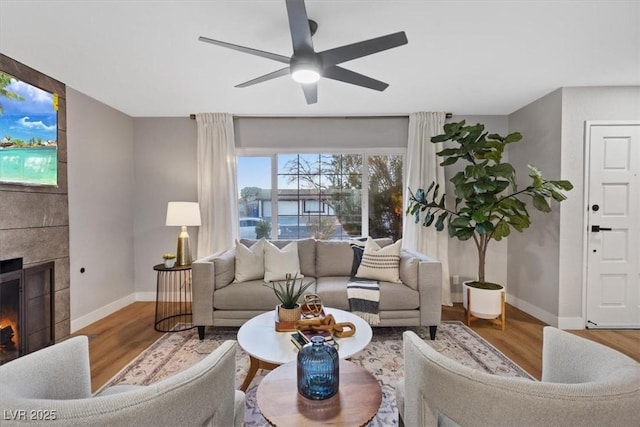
point(183, 213)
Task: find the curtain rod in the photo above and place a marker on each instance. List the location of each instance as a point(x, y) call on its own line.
point(193, 116)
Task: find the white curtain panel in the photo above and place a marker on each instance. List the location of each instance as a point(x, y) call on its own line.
point(423, 167)
point(217, 183)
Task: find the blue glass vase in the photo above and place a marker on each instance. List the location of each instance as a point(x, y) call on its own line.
point(318, 370)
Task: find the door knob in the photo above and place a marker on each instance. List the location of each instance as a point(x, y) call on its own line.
point(597, 229)
point(595, 208)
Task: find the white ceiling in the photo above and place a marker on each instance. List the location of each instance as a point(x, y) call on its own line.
point(143, 57)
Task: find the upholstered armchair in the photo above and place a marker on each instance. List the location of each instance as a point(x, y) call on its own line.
point(55, 384)
point(583, 384)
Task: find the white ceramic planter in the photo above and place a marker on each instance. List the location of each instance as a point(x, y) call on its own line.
point(485, 303)
point(169, 262)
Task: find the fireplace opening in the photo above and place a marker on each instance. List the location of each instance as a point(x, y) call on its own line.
point(26, 308)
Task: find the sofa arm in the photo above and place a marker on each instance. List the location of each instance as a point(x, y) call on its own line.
point(202, 287)
point(430, 288)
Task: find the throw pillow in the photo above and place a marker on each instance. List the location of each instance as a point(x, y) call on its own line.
point(380, 263)
point(358, 251)
point(280, 262)
point(249, 261)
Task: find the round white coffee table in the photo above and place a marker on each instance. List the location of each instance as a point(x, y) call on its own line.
point(268, 349)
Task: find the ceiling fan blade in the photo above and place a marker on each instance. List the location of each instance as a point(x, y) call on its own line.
point(262, 53)
point(348, 76)
point(310, 92)
point(278, 73)
point(299, 27)
point(357, 50)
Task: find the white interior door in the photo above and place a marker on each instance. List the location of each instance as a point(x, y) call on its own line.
point(613, 258)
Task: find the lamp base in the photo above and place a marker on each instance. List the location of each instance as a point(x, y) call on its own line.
point(183, 254)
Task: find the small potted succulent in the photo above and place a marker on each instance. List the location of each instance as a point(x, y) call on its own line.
point(288, 294)
point(169, 260)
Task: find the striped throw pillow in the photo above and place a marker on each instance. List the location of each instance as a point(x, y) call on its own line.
point(380, 263)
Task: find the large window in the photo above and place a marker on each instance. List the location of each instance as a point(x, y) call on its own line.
point(326, 196)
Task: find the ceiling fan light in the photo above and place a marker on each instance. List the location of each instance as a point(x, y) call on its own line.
point(305, 75)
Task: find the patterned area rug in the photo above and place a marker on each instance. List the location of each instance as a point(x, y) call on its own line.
point(177, 351)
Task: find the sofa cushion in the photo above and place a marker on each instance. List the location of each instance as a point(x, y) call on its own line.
point(278, 263)
point(333, 258)
point(332, 290)
point(224, 268)
point(380, 263)
point(306, 253)
point(393, 296)
point(249, 261)
point(409, 270)
point(251, 295)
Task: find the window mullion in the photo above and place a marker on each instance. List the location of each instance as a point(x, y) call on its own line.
point(365, 194)
point(274, 196)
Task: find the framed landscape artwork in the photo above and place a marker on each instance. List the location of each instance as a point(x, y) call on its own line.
point(28, 133)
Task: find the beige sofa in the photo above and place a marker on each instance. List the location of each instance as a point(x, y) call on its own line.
point(219, 301)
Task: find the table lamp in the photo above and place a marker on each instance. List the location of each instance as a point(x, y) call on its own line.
point(183, 214)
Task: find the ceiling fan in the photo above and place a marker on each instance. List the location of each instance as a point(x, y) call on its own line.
point(307, 66)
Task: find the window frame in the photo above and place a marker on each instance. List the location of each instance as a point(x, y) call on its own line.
point(364, 152)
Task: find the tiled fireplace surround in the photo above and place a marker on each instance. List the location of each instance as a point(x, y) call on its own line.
point(34, 221)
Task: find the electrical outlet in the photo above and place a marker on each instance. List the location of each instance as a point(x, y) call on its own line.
point(456, 279)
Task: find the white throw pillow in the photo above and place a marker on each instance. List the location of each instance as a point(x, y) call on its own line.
point(249, 261)
point(280, 262)
point(380, 263)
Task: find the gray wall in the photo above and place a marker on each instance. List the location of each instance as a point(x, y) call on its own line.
point(164, 170)
point(554, 244)
point(100, 152)
point(533, 255)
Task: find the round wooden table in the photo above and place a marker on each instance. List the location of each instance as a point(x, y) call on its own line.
point(355, 404)
point(268, 348)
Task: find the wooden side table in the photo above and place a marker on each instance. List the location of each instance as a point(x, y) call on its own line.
point(355, 404)
point(173, 299)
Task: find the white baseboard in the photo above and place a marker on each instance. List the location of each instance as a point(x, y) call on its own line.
point(145, 296)
point(456, 297)
point(100, 313)
point(570, 323)
point(533, 310)
point(108, 309)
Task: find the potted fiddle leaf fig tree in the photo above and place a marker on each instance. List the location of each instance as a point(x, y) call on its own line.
point(488, 201)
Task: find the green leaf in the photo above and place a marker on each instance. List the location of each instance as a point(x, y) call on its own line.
point(495, 136)
point(512, 137)
point(484, 227)
point(541, 203)
point(502, 230)
point(557, 196)
point(464, 233)
point(448, 152)
point(461, 221)
point(458, 178)
point(442, 200)
point(428, 218)
point(440, 222)
point(478, 216)
point(565, 185)
point(449, 161)
point(504, 170)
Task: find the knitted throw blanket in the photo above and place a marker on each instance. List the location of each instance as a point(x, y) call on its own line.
point(364, 299)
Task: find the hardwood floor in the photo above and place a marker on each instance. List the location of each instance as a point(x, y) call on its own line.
point(120, 337)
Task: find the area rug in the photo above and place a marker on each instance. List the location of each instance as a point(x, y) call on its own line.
point(176, 351)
